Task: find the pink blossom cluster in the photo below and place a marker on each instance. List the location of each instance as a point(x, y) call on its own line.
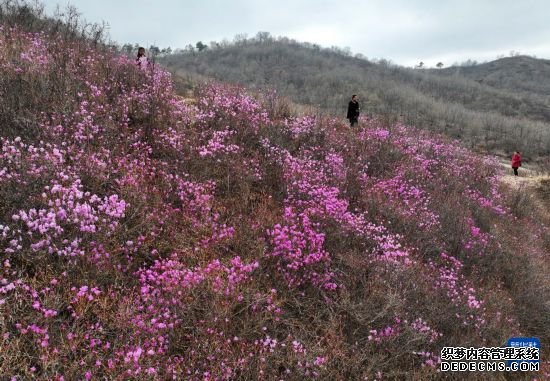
point(310, 191)
point(336, 166)
point(67, 205)
point(386, 333)
point(397, 328)
point(27, 50)
point(268, 303)
point(477, 241)
point(299, 248)
point(420, 326)
point(410, 200)
point(459, 291)
point(216, 145)
point(430, 359)
point(231, 104)
point(376, 133)
point(163, 284)
point(86, 292)
point(486, 202)
point(300, 126)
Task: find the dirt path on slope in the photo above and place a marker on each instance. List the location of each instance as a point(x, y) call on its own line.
point(533, 182)
point(528, 176)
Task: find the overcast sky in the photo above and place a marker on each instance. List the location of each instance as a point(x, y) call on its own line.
point(405, 32)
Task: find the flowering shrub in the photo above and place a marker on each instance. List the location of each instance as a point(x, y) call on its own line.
point(458, 290)
point(301, 253)
point(145, 237)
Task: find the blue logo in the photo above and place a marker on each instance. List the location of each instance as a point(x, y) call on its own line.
point(524, 348)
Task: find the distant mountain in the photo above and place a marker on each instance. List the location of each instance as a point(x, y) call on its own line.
point(500, 106)
point(521, 73)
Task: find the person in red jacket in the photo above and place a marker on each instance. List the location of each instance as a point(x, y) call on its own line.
point(516, 162)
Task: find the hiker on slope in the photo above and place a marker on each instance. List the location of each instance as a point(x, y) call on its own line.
point(353, 110)
point(516, 162)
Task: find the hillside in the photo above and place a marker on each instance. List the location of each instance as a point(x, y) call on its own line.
point(148, 237)
point(483, 115)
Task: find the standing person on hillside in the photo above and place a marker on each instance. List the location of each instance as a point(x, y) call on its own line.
point(353, 110)
point(142, 61)
point(516, 162)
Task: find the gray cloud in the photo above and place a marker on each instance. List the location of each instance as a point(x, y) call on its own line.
point(404, 31)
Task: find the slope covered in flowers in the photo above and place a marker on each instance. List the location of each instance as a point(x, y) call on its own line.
point(143, 237)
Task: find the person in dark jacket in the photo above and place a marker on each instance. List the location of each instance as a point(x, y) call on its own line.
point(353, 110)
point(516, 162)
